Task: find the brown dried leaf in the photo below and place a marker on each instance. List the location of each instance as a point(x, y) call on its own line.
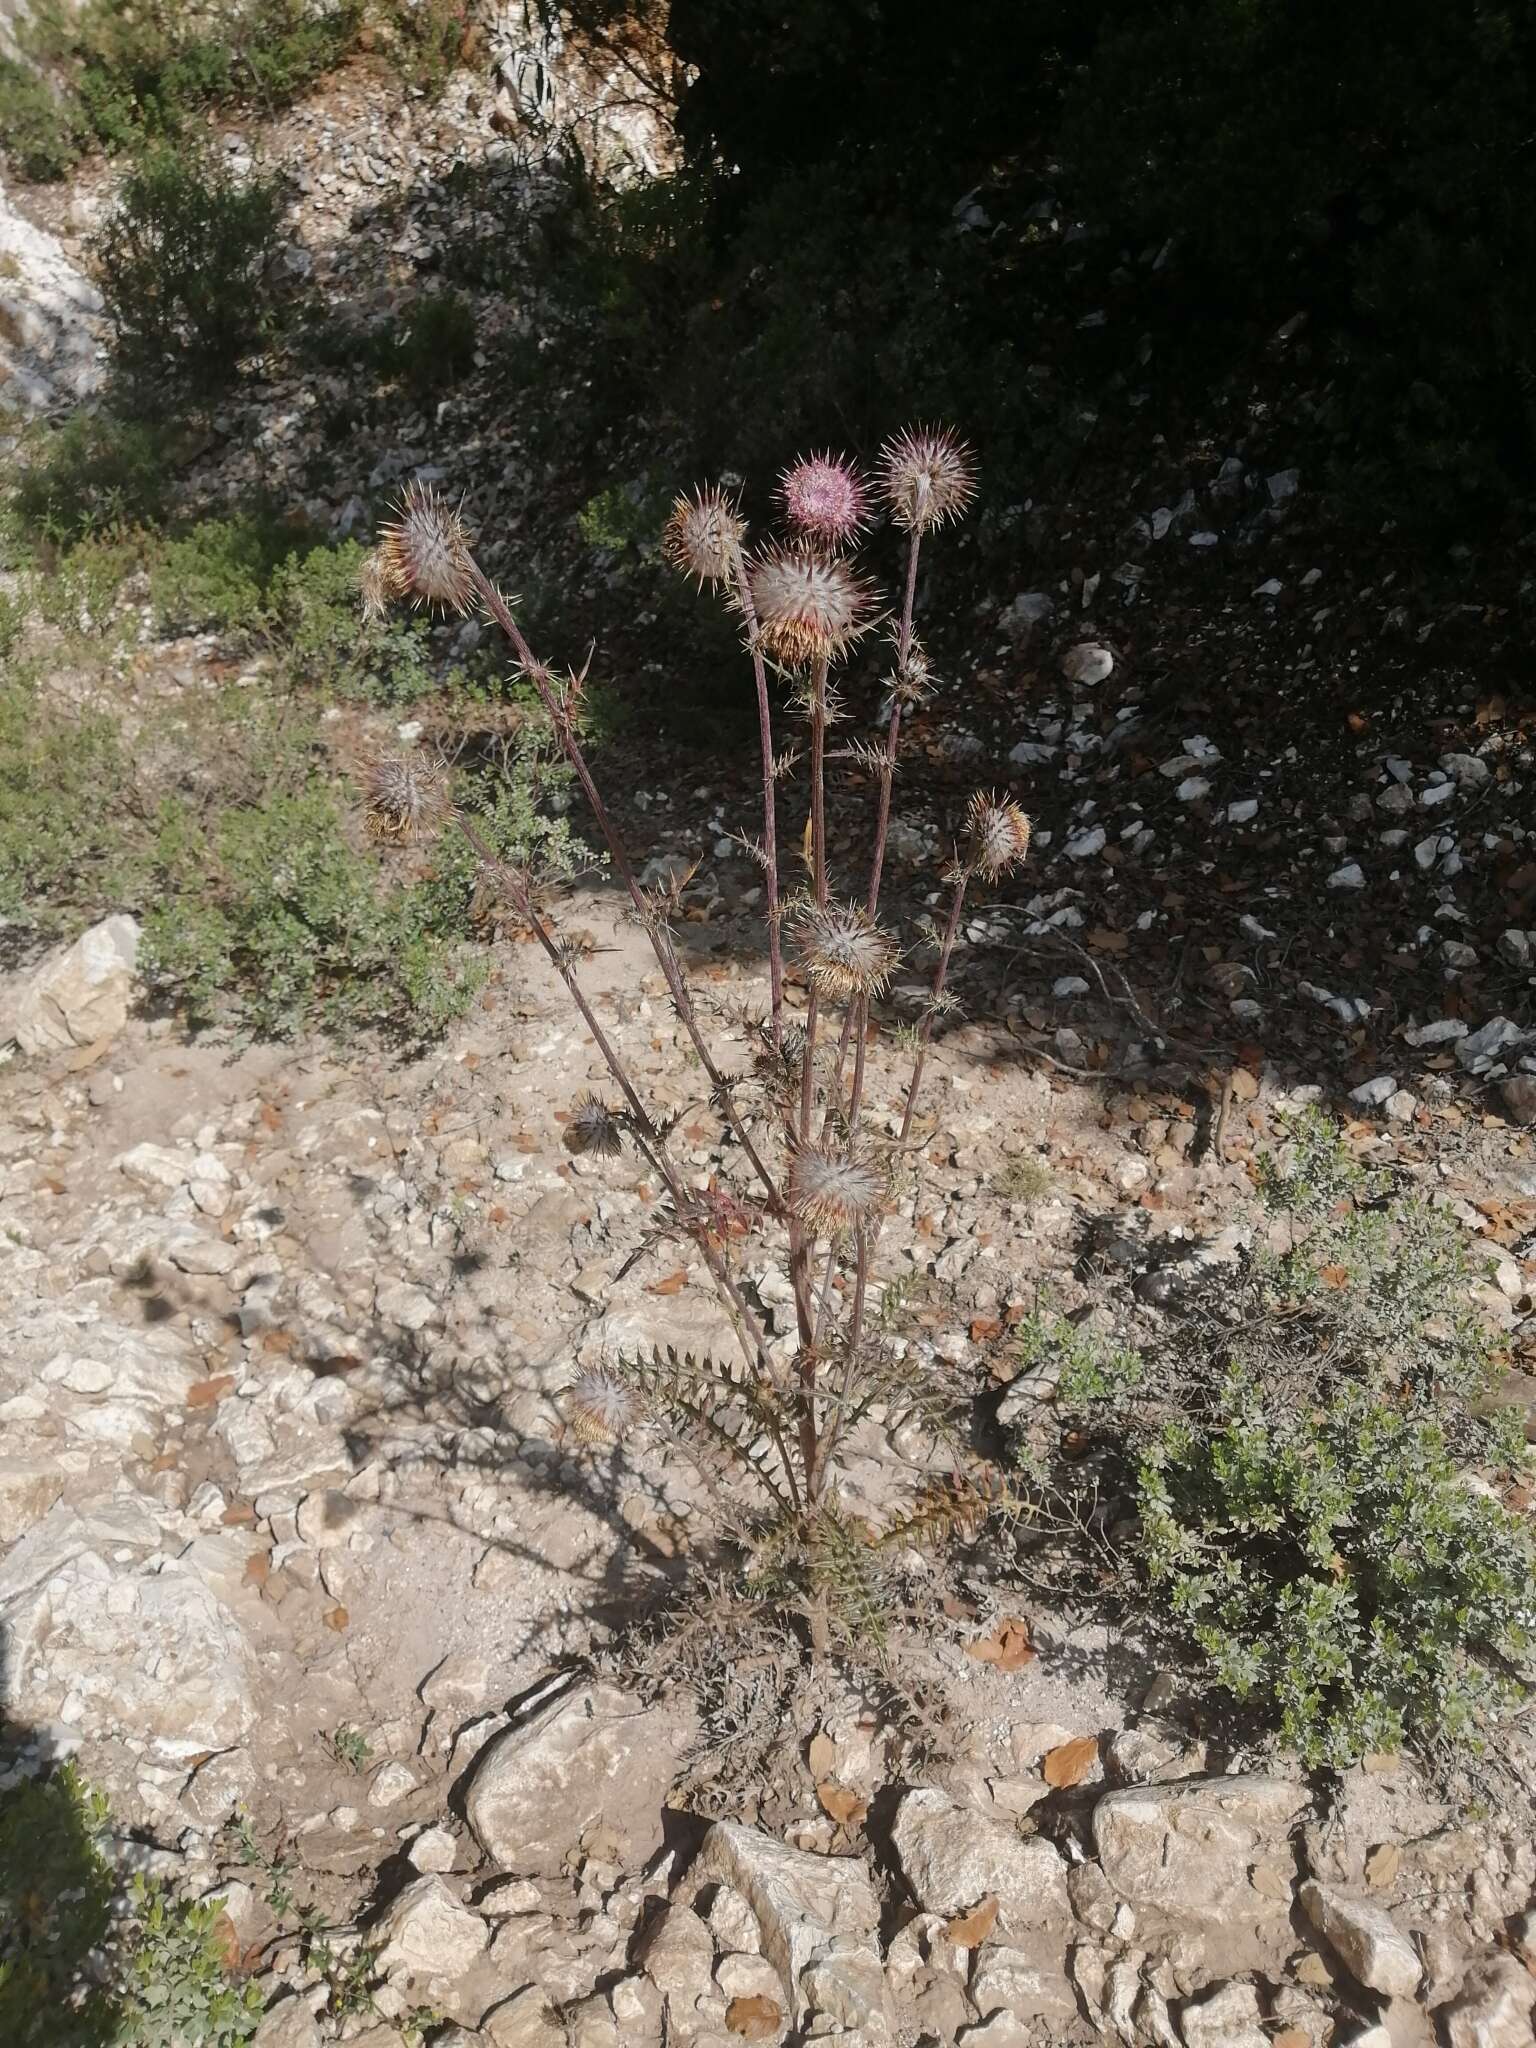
point(337, 1619)
point(258, 1568)
point(1381, 1866)
point(674, 1283)
point(846, 1808)
point(208, 1393)
point(970, 1930)
point(822, 1756)
point(756, 2018)
point(1070, 1762)
point(1008, 1646)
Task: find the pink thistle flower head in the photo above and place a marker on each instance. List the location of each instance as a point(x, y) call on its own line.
point(424, 552)
point(600, 1406)
point(998, 835)
point(928, 475)
point(809, 606)
point(704, 535)
point(824, 498)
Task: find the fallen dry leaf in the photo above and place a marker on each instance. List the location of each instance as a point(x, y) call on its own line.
point(756, 2018)
point(674, 1283)
point(970, 1930)
point(985, 1328)
point(1008, 1646)
point(1070, 1762)
point(208, 1393)
point(1381, 1866)
point(822, 1756)
point(258, 1568)
point(337, 1619)
point(845, 1807)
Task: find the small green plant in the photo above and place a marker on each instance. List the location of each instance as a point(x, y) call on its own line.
point(40, 130)
point(181, 263)
point(350, 1747)
point(432, 347)
point(1025, 1179)
point(1085, 1366)
point(61, 776)
point(1340, 1573)
point(96, 474)
point(177, 1983)
point(55, 1909)
point(217, 574)
point(1315, 1172)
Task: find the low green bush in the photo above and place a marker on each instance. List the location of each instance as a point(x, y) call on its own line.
point(63, 779)
point(181, 263)
point(216, 575)
point(1341, 1572)
point(1307, 1494)
point(40, 130)
point(94, 474)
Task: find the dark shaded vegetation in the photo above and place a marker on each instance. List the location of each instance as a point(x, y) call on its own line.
point(876, 216)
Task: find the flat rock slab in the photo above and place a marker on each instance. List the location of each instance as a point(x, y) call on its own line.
point(1189, 1848)
point(952, 1858)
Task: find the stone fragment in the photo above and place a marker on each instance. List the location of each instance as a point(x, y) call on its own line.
point(1493, 2009)
point(1226, 2018)
point(593, 1755)
point(817, 1918)
point(29, 1486)
point(426, 1933)
point(1366, 1940)
point(78, 996)
point(952, 1858)
point(1186, 1848)
point(525, 2021)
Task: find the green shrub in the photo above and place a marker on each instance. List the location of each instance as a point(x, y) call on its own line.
point(39, 130)
point(55, 1907)
point(1340, 1573)
point(432, 347)
point(216, 575)
point(181, 263)
point(62, 776)
point(94, 474)
point(177, 1988)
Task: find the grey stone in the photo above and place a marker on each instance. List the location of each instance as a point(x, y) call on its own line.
point(526, 2021)
point(79, 996)
point(426, 1933)
point(817, 1918)
point(952, 1858)
point(592, 1756)
point(1186, 1848)
point(1366, 1940)
point(1225, 2018)
point(1494, 2007)
point(29, 1485)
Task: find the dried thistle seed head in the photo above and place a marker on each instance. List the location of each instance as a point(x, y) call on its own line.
point(997, 835)
point(912, 681)
point(593, 1127)
point(809, 606)
point(824, 498)
point(601, 1408)
point(833, 1190)
point(408, 798)
point(928, 475)
point(845, 952)
point(377, 586)
point(425, 551)
point(703, 536)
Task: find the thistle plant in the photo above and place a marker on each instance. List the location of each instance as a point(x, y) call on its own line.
point(812, 1171)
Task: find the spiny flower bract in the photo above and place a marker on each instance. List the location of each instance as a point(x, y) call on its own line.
point(824, 498)
point(408, 798)
point(928, 475)
point(810, 606)
point(832, 1190)
point(593, 1127)
point(600, 1407)
point(377, 585)
point(997, 835)
point(704, 535)
point(424, 551)
point(845, 952)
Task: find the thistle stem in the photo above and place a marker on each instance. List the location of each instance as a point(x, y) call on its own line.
point(893, 732)
point(656, 931)
point(940, 976)
point(770, 806)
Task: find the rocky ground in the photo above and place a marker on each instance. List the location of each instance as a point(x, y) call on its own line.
point(300, 1556)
